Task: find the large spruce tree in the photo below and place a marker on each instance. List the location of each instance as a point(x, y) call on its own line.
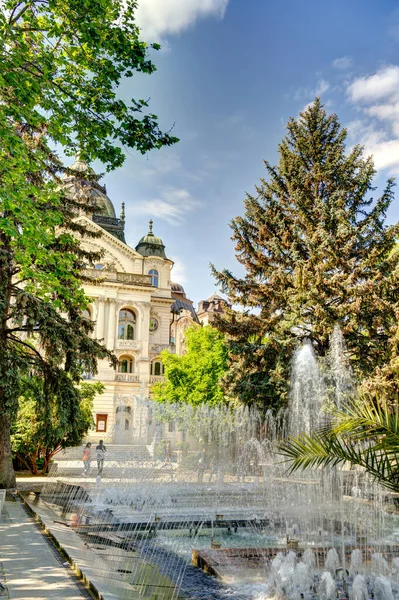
point(317, 252)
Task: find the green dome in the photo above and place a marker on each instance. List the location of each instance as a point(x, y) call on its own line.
point(81, 184)
point(151, 245)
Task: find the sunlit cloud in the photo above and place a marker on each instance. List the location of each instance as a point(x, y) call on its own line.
point(376, 96)
point(171, 205)
point(380, 85)
point(179, 270)
point(160, 18)
point(309, 93)
point(343, 64)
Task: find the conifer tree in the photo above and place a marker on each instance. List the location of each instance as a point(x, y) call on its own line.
point(317, 252)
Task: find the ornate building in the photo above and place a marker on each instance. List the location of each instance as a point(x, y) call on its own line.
point(137, 309)
point(207, 309)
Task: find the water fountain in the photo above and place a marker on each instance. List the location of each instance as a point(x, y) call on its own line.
point(321, 534)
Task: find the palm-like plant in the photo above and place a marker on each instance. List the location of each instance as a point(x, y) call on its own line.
point(365, 434)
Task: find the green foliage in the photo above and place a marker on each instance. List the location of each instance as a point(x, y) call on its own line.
point(366, 435)
point(317, 252)
point(195, 377)
point(45, 423)
point(61, 64)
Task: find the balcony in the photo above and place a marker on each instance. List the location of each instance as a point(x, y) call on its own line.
point(127, 345)
point(156, 378)
point(157, 348)
point(127, 377)
point(117, 277)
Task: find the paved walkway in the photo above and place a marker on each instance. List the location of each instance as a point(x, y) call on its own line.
point(30, 568)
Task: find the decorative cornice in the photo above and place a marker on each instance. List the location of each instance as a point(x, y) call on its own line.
point(127, 377)
point(113, 241)
point(143, 304)
point(127, 345)
point(106, 277)
point(157, 348)
point(100, 248)
point(153, 262)
point(161, 300)
point(126, 351)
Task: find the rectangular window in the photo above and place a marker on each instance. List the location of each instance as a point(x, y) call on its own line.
point(101, 423)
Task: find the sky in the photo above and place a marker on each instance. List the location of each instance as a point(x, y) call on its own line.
point(229, 76)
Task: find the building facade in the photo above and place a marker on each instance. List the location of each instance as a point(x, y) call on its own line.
point(138, 312)
point(208, 309)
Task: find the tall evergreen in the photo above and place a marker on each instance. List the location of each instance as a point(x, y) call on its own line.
point(316, 251)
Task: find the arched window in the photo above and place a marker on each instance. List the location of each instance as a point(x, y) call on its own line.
point(126, 364)
point(127, 324)
point(157, 368)
point(154, 277)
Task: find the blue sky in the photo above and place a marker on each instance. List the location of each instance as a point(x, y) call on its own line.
point(229, 76)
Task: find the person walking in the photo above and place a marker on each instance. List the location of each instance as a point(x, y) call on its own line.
point(100, 450)
point(213, 469)
point(87, 458)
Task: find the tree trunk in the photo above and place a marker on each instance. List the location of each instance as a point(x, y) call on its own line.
point(7, 475)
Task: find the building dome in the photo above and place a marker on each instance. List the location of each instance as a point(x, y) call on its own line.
point(151, 245)
point(79, 166)
point(176, 288)
point(80, 183)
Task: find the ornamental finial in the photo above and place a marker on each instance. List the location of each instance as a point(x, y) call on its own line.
point(150, 231)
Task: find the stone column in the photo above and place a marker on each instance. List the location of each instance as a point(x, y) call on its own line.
point(100, 318)
point(111, 324)
point(143, 336)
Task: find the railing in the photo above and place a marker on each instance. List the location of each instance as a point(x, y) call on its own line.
point(157, 348)
point(117, 277)
point(156, 378)
point(105, 220)
point(127, 377)
point(128, 344)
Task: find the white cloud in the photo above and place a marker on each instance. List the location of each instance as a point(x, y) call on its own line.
point(377, 98)
point(384, 111)
point(308, 93)
point(386, 154)
point(179, 270)
point(162, 163)
point(172, 205)
point(343, 63)
point(383, 84)
point(322, 87)
point(158, 18)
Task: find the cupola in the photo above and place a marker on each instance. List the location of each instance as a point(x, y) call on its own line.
point(81, 184)
point(151, 245)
